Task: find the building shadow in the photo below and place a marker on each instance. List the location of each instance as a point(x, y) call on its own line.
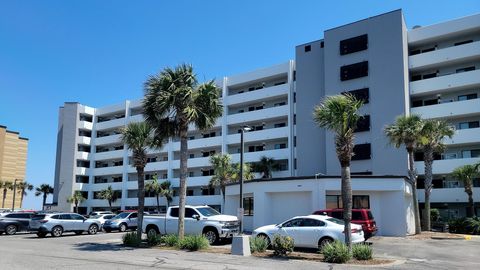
point(91, 246)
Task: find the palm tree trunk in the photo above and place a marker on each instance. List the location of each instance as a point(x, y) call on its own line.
point(183, 180)
point(428, 159)
point(110, 205)
point(44, 200)
point(347, 204)
point(471, 208)
point(21, 197)
point(141, 201)
point(223, 194)
point(158, 203)
point(76, 207)
point(412, 178)
point(4, 197)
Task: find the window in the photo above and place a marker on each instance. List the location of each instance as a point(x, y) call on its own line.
point(354, 71)
point(430, 102)
point(279, 125)
point(118, 163)
point(417, 103)
point(83, 164)
point(189, 212)
point(467, 97)
point(174, 212)
point(465, 69)
point(191, 174)
point(335, 201)
point(354, 44)
point(84, 148)
point(279, 104)
point(191, 156)
point(292, 223)
point(280, 145)
point(463, 42)
point(85, 117)
point(308, 48)
point(189, 192)
point(248, 206)
point(363, 124)
point(81, 179)
point(85, 133)
point(416, 77)
point(308, 222)
point(466, 125)
point(322, 44)
point(362, 151)
point(429, 75)
point(360, 94)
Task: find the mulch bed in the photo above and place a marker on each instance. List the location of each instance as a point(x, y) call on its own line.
point(436, 235)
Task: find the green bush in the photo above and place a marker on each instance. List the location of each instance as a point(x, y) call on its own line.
point(130, 239)
point(434, 214)
point(170, 240)
point(282, 245)
point(258, 244)
point(154, 239)
point(362, 252)
point(193, 242)
point(464, 225)
point(336, 252)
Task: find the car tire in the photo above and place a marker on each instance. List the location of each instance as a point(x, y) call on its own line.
point(11, 230)
point(41, 234)
point(93, 229)
point(323, 242)
point(211, 235)
point(123, 227)
point(152, 231)
point(57, 231)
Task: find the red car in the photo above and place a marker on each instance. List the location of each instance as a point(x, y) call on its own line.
point(362, 217)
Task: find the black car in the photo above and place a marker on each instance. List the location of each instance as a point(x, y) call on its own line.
point(15, 222)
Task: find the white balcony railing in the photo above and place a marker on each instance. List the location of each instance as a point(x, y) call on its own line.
point(115, 123)
point(273, 112)
point(257, 95)
point(200, 143)
point(446, 195)
point(260, 135)
point(109, 155)
point(464, 136)
point(108, 170)
point(107, 139)
point(445, 166)
point(445, 83)
point(457, 109)
point(85, 125)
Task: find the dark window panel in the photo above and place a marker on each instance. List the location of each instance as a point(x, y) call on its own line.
point(362, 151)
point(354, 71)
point(354, 44)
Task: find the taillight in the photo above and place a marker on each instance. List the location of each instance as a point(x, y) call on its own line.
point(353, 230)
point(43, 221)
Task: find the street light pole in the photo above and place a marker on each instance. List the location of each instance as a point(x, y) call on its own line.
point(14, 192)
point(240, 210)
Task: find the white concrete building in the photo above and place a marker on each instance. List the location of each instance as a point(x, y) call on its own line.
point(430, 70)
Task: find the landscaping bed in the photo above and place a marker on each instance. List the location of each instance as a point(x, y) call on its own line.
point(436, 235)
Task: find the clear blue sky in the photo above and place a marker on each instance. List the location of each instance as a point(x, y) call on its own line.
point(100, 52)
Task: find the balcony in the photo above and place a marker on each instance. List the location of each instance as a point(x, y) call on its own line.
point(447, 56)
point(85, 125)
point(102, 186)
point(261, 135)
point(273, 112)
point(193, 181)
point(451, 109)
point(445, 83)
point(84, 140)
point(152, 166)
point(258, 95)
point(82, 171)
point(445, 166)
point(108, 170)
point(107, 139)
point(82, 155)
point(115, 123)
point(193, 162)
point(109, 155)
point(277, 154)
point(136, 118)
point(200, 143)
point(446, 195)
point(464, 136)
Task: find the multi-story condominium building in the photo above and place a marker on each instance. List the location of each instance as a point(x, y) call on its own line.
point(429, 70)
point(13, 162)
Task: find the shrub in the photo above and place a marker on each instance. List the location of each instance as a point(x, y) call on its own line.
point(464, 225)
point(130, 239)
point(258, 244)
point(171, 240)
point(193, 242)
point(282, 245)
point(362, 252)
point(434, 214)
point(336, 252)
point(154, 239)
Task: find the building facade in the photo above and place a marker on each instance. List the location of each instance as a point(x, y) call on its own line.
point(430, 70)
point(13, 162)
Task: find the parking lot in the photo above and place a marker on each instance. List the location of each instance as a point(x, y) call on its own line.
point(26, 251)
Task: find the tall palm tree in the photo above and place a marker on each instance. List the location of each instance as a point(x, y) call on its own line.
point(432, 135)
point(339, 114)
point(77, 198)
point(222, 166)
point(167, 191)
point(173, 100)
point(266, 166)
point(110, 195)
point(247, 172)
point(138, 137)
point(5, 185)
point(466, 174)
point(155, 188)
point(23, 187)
point(406, 131)
point(44, 190)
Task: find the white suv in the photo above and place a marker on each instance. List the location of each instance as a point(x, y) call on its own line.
point(58, 223)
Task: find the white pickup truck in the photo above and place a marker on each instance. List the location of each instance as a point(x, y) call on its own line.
point(198, 220)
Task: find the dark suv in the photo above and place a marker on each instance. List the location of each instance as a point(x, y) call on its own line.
point(362, 217)
point(12, 223)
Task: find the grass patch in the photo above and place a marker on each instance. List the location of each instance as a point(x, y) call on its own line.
point(130, 239)
point(362, 252)
point(258, 244)
point(336, 252)
point(193, 242)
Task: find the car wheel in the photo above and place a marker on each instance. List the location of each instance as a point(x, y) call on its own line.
point(93, 229)
point(41, 234)
point(211, 235)
point(152, 231)
point(122, 228)
point(323, 242)
point(57, 231)
point(11, 230)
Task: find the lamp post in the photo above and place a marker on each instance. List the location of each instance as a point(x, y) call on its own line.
point(240, 210)
point(14, 192)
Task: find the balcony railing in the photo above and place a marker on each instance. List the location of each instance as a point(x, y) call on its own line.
point(446, 83)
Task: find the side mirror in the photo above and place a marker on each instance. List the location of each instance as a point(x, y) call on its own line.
point(197, 217)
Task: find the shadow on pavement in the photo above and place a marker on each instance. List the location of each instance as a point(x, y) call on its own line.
point(100, 247)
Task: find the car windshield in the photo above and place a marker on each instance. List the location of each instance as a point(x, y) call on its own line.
point(121, 215)
point(335, 220)
point(207, 211)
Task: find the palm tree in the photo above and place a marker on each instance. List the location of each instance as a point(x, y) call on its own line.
point(44, 190)
point(5, 185)
point(155, 187)
point(167, 192)
point(173, 100)
point(138, 137)
point(247, 172)
point(222, 166)
point(432, 135)
point(266, 166)
point(77, 198)
point(340, 114)
point(23, 187)
point(466, 174)
point(110, 195)
point(406, 131)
